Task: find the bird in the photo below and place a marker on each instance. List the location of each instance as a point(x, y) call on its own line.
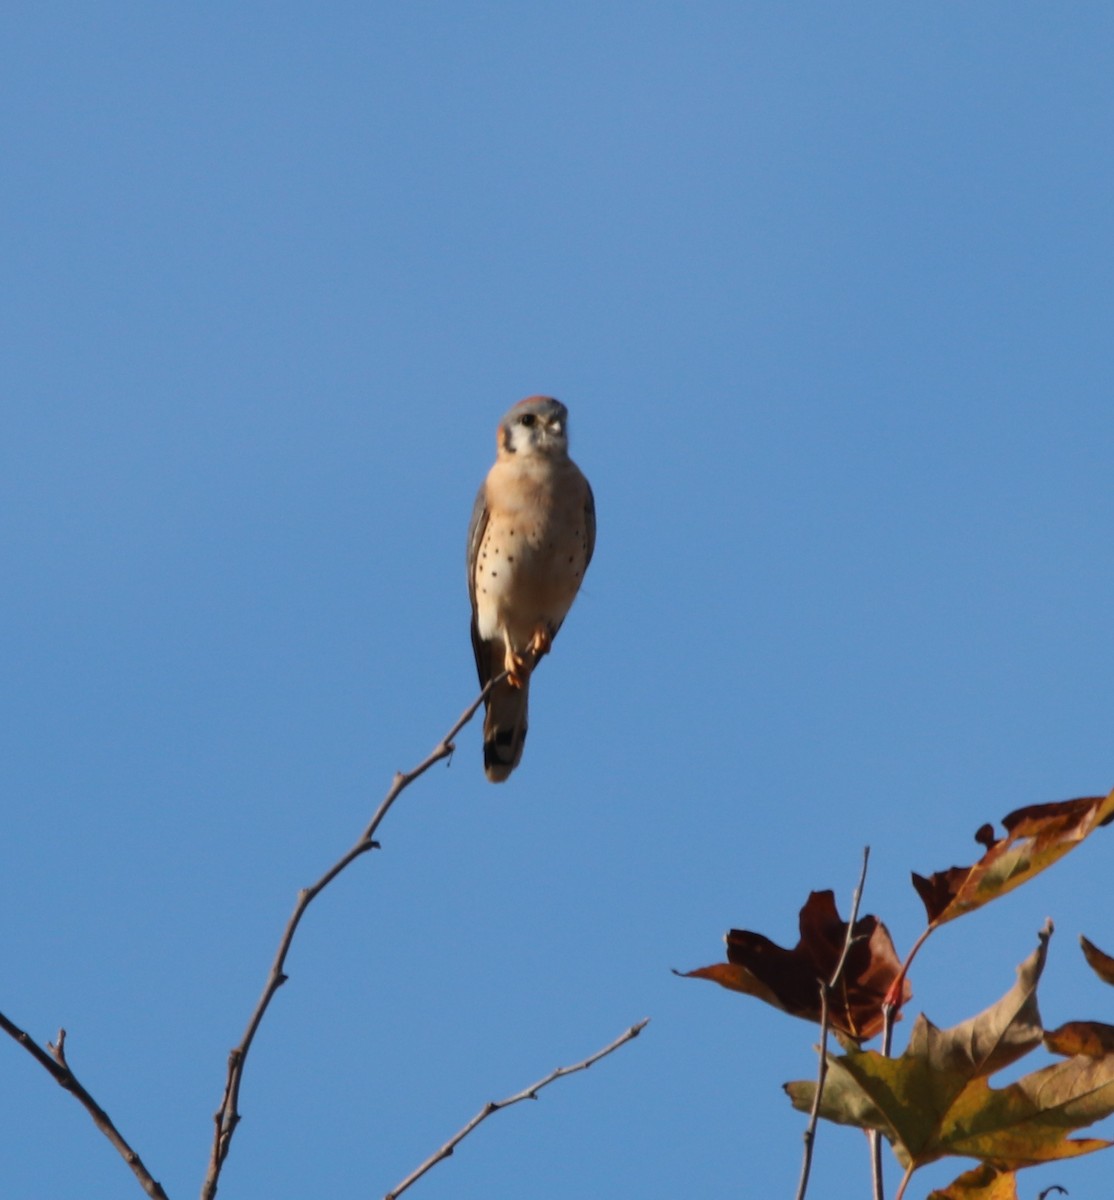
point(531, 538)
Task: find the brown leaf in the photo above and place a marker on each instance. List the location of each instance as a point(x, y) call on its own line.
point(1101, 964)
point(1036, 837)
point(1091, 1038)
point(983, 1182)
point(790, 979)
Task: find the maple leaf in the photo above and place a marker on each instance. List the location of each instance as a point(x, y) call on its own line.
point(935, 1099)
point(1091, 1038)
point(1035, 838)
point(791, 979)
point(1101, 964)
point(983, 1182)
point(910, 1099)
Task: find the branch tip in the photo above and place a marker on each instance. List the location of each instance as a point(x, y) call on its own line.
point(227, 1116)
point(527, 1093)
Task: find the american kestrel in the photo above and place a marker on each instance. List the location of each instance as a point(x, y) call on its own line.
point(530, 541)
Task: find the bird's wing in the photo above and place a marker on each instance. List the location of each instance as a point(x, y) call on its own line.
point(589, 521)
point(476, 529)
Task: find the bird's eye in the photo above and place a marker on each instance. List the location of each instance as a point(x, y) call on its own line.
point(527, 419)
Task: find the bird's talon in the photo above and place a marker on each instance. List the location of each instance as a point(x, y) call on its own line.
point(515, 666)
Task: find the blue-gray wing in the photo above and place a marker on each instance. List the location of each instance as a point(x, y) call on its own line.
point(476, 529)
point(589, 522)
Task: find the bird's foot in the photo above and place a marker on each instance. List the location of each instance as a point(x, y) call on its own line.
point(516, 667)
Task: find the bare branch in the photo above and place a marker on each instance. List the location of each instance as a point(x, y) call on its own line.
point(55, 1062)
point(493, 1106)
point(227, 1116)
point(827, 986)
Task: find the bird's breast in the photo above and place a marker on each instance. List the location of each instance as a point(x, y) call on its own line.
point(533, 553)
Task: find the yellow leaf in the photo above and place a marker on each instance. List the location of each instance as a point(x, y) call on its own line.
point(980, 1183)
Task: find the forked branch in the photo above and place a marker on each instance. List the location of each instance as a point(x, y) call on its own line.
point(227, 1116)
point(56, 1064)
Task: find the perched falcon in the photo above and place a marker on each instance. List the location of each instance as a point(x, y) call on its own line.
point(531, 540)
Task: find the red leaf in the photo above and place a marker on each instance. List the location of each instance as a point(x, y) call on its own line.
point(790, 979)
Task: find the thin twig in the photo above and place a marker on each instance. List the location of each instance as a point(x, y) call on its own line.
point(55, 1062)
point(227, 1116)
point(493, 1106)
point(827, 987)
point(877, 1179)
point(891, 1006)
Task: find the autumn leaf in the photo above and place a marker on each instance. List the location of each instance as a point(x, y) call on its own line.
point(1101, 964)
point(1035, 838)
point(935, 1100)
point(791, 979)
point(983, 1182)
point(910, 1099)
point(1091, 1038)
point(1027, 1122)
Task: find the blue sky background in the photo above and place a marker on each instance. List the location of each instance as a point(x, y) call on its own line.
point(828, 292)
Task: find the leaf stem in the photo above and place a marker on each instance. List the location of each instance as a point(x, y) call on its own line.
point(904, 1181)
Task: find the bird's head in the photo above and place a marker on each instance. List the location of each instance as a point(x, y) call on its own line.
point(536, 425)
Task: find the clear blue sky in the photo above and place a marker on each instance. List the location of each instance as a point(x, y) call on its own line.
point(828, 292)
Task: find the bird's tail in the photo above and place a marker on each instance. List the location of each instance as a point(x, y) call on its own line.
point(504, 728)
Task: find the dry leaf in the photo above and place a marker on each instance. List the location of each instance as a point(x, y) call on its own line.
point(983, 1182)
point(1035, 838)
point(790, 979)
point(909, 1098)
point(1091, 1038)
point(935, 1100)
point(1101, 964)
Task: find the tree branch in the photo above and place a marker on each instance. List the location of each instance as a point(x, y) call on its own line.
point(55, 1062)
point(493, 1106)
point(227, 1116)
point(827, 986)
